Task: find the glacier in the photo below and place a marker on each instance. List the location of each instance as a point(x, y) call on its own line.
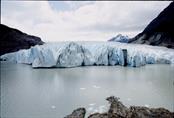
point(74, 54)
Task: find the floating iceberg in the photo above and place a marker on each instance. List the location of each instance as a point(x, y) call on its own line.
point(73, 54)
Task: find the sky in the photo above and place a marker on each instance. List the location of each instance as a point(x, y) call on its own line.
point(80, 20)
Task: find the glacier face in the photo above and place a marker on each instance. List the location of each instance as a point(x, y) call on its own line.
point(73, 54)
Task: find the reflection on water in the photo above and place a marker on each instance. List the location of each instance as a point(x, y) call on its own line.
point(27, 92)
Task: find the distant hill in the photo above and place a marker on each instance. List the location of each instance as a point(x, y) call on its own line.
point(160, 31)
point(120, 38)
point(12, 40)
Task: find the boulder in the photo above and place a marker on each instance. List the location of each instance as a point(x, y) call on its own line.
point(118, 110)
point(78, 113)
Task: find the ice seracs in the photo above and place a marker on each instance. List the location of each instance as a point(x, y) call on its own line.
point(73, 54)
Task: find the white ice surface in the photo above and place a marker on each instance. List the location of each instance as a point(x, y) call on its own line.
point(73, 54)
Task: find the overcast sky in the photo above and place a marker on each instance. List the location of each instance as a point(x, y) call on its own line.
point(80, 21)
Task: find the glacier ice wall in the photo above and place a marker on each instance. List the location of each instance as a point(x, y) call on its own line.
point(73, 54)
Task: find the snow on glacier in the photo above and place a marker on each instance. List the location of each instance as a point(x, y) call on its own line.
point(73, 54)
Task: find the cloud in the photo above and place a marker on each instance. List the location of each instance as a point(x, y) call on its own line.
point(85, 21)
point(77, 4)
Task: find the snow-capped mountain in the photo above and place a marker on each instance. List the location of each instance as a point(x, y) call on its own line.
point(120, 38)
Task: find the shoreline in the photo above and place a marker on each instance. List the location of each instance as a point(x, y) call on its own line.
point(118, 110)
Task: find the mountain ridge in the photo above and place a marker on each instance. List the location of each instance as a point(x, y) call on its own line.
point(160, 31)
point(12, 40)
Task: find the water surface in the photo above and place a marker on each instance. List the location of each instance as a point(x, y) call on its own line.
point(42, 93)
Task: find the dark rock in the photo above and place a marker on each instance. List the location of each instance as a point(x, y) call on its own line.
point(12, 40)
point(160, 31)
point(99, 115)
point(78, 113)
point(144, 112)
point(118, 110)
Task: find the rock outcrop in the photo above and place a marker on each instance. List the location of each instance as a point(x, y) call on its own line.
point(73, 54)
point(118, 110)
point(12, 40)
point(160, 31)
point(78, 113)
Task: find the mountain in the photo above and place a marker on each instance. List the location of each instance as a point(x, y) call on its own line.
point(12, 40)
point(160, 31)
point(120, 38)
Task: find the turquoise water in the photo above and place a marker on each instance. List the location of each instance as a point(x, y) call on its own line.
point(42, 93)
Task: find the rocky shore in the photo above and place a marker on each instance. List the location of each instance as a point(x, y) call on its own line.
point(118, 110)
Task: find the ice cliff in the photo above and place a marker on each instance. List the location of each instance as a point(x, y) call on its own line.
point(73, 54)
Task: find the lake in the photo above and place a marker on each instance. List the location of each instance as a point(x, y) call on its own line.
point(56, 92)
